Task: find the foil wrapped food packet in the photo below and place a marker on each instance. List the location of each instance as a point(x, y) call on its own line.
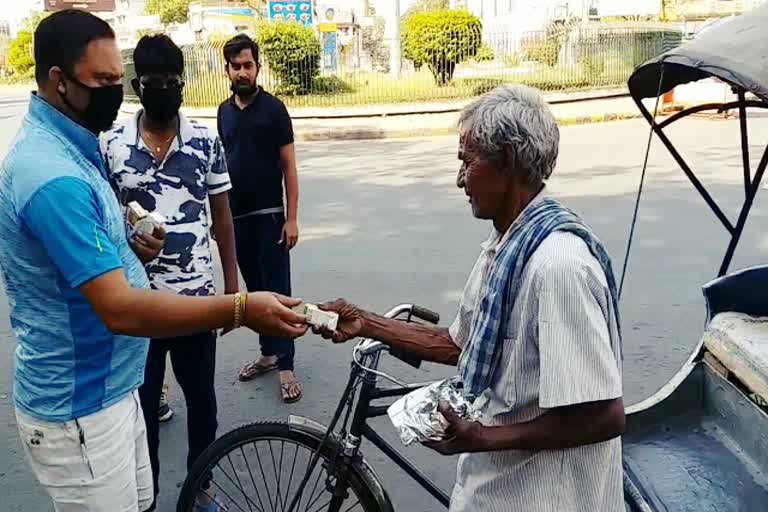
point(416, 417)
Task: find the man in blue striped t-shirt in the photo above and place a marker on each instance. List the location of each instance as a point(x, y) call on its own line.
point(79, 304)
point(175, 166)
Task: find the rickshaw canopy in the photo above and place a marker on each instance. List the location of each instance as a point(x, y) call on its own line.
point(735, 51)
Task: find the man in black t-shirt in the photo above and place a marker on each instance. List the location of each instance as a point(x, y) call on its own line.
point(257, 134)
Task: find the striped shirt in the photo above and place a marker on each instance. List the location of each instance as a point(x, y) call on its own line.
point(563, 348)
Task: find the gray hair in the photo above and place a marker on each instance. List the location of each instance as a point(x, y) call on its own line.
point(513, 123)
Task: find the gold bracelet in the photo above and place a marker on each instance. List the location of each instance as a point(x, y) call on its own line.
point(238, 311)
point(244, 302)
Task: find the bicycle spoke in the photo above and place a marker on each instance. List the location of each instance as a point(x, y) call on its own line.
point(312, 494)
point(279, 497)
point(247, 500)
point(304, 480)
point(229, 477)
point(282, 451)
point(253, 481)
point(324, 506)
point(264, 477)
point(353, 506)
point(242, 490)
point(225, 493)
point(290, 479)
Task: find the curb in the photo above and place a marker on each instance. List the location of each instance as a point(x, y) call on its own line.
point(404, 109)
point(599, 118)
point(335, 134)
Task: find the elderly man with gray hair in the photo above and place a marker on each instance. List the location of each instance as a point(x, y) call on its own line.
point(536, 339)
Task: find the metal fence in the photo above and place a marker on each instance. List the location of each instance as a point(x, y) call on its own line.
point(465, 66)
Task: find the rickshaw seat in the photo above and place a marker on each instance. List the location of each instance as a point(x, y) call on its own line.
point(740, 342)
point(744, 291)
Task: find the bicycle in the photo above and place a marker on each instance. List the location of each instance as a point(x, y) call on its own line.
point(331, 457)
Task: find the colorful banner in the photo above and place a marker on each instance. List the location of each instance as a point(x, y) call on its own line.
point(299, 11)
point(330, 49)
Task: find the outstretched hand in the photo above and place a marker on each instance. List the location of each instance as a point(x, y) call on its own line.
point(350, 321)
point(271, 314)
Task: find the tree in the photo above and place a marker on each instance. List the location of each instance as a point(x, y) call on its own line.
point(374, 45)
point(293, 54)
point(21, 60)
point(170, 11)
point(427, 6)
point(441, 40)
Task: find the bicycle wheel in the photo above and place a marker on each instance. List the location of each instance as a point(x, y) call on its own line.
point(259, 467)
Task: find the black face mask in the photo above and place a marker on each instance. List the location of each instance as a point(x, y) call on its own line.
point(102, 108)
point(161, 105)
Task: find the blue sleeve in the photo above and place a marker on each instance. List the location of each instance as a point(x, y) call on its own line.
point(66, 216)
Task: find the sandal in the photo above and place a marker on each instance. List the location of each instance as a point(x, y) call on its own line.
point(256, 369)
point(285, 391)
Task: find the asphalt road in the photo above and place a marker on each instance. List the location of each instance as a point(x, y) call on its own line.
point(383, 223)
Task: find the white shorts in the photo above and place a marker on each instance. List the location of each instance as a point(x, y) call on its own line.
point(97, 463)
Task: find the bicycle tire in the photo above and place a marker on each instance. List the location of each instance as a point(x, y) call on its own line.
point(361, 478)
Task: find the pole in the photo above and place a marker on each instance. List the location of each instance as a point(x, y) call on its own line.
point(395, 54)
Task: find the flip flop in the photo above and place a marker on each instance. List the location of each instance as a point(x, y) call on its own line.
point(285, 390)
point(255, 369)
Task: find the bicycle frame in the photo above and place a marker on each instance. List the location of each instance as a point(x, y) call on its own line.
point(365, 374)
point(360, 428)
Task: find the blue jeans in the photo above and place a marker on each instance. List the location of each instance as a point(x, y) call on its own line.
point(266, 266)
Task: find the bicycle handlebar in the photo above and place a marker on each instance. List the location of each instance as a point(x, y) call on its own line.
point(425, 314)
point(368, 347)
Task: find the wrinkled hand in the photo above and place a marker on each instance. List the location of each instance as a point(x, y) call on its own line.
point(148, 247)
point(350, 321)
point(290, 236)
point(270, 314)
point(462, 436)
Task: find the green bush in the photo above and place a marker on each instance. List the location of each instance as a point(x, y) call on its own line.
point(594, 65)
point(546, 51)
point(169, 11)
point(28, 77)
point(485, 54)
point(558, 81)
point(331, 85)
point(480, 86)
point(441, 40)
point(293, 54)
point(20, 58)
point(512, 60)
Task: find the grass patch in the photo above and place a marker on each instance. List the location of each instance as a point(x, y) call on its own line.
point(378, 88)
